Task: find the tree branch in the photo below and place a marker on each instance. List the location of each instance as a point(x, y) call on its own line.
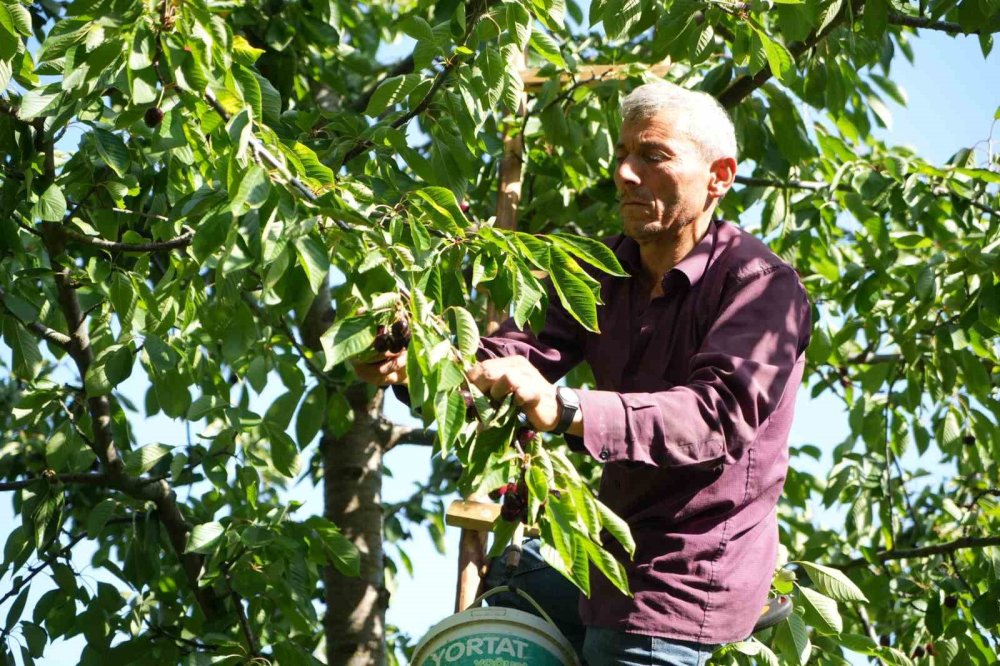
point(418, 436)
point(442, 76)
point(153, 246)
point(87, 479)
point(816, 185)
point(34, 571)
point(926, 551)
point(742, 87)
point(899, 18)
point(262, 154)
point(39, 329)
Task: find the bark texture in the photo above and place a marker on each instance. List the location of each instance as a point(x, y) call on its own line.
point(352, 491)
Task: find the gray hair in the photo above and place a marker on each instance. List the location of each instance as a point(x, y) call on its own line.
point(698, 115)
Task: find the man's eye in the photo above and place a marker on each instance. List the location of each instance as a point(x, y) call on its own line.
point(655, 157)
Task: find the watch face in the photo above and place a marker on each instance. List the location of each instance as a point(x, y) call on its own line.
point(568, 397)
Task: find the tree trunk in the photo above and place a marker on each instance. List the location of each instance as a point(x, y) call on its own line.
point(352, 493)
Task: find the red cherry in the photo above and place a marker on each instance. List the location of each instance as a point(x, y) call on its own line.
point(153, 116)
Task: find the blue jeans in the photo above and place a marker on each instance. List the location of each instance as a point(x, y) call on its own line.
point(596, 646)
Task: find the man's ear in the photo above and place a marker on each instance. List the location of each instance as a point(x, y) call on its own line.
point(723, 174)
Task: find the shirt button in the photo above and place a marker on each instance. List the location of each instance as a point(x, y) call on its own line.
point(605, 454)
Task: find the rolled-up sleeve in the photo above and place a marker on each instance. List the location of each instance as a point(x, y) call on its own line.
point(737, 378)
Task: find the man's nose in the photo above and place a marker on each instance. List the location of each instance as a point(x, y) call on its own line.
point(626, 173)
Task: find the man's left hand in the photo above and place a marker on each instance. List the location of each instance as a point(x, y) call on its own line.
point(533, 394)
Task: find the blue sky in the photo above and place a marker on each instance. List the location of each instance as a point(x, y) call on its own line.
point(953, 95)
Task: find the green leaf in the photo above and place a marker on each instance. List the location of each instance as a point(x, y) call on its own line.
point(443, 209)
point(27, 357)
point(284, 452)
point(204, 406)
point(450, 412)
point(314, 261)
point(547, 47)
point(38, 102)
point(312, 411)
point(574, 293)
point(345, 555)
point(792, 638)
point(96, 383)
point(467, 332)
point(825, 615)
point(754, 648)
point(609, 566)
point(14, 614)
point(20, 18)
point(243, 52)
point(253, 190)
point(347, 337)
point(591, 251)
point(142, 460)
point(832, 582)
point(6, 72)
point(98, 517)
point(204, 538)
point(51, 206)
point(778, 58)
point(314, 169)
point(619, 19)
point(391, 91)
point(616, 527)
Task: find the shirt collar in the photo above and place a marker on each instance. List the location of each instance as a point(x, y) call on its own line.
point(692, 266)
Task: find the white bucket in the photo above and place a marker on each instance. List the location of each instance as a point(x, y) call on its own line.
point(495, 637)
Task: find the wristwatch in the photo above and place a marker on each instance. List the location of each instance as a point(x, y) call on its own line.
point(569, 405)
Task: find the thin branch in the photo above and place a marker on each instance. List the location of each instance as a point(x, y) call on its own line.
point(39, 329)
point(35, 570)
point(151, 216)
point(940, 191)
point(917, 22)
point(418, 436)
point(744, 86)
point(10, 173)
point(926, 551)
point(866, 623)
point(154, 246)
point(439, 80)
point(815, 185)
point(87, 479)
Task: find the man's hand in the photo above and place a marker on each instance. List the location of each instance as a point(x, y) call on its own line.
point(390, 369)
point(533, 394)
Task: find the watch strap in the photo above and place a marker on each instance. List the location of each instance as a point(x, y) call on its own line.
point(569, 405)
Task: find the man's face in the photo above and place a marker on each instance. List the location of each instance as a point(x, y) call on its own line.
point(662, 178)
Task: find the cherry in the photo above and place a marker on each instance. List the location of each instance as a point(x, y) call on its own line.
point(951, 601)
point(969, 440)
point(400, 329)
point(464, 206)
point(153, 116)
point(381, 344)
point(930, 649)
point(525, 435)
point(884, 641)
point(918, 652)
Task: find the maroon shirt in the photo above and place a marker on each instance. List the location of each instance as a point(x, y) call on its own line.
point(691, 413)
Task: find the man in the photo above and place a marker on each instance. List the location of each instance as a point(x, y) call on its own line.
point(697, 365)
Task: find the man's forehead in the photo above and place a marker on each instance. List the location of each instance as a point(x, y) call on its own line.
point(659, 129)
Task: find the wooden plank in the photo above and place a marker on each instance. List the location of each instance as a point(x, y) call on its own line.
point(586, 76)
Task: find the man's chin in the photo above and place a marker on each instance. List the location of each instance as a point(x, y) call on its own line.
point(640, 227)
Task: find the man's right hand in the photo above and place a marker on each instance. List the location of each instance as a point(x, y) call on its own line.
point(390, 369)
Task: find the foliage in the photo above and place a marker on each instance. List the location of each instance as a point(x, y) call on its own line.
point(228, 197)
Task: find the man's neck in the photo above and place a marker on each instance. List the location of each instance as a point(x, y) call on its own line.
point(659, 255)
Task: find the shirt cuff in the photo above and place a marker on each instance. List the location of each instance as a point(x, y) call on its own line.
point(604, 424)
